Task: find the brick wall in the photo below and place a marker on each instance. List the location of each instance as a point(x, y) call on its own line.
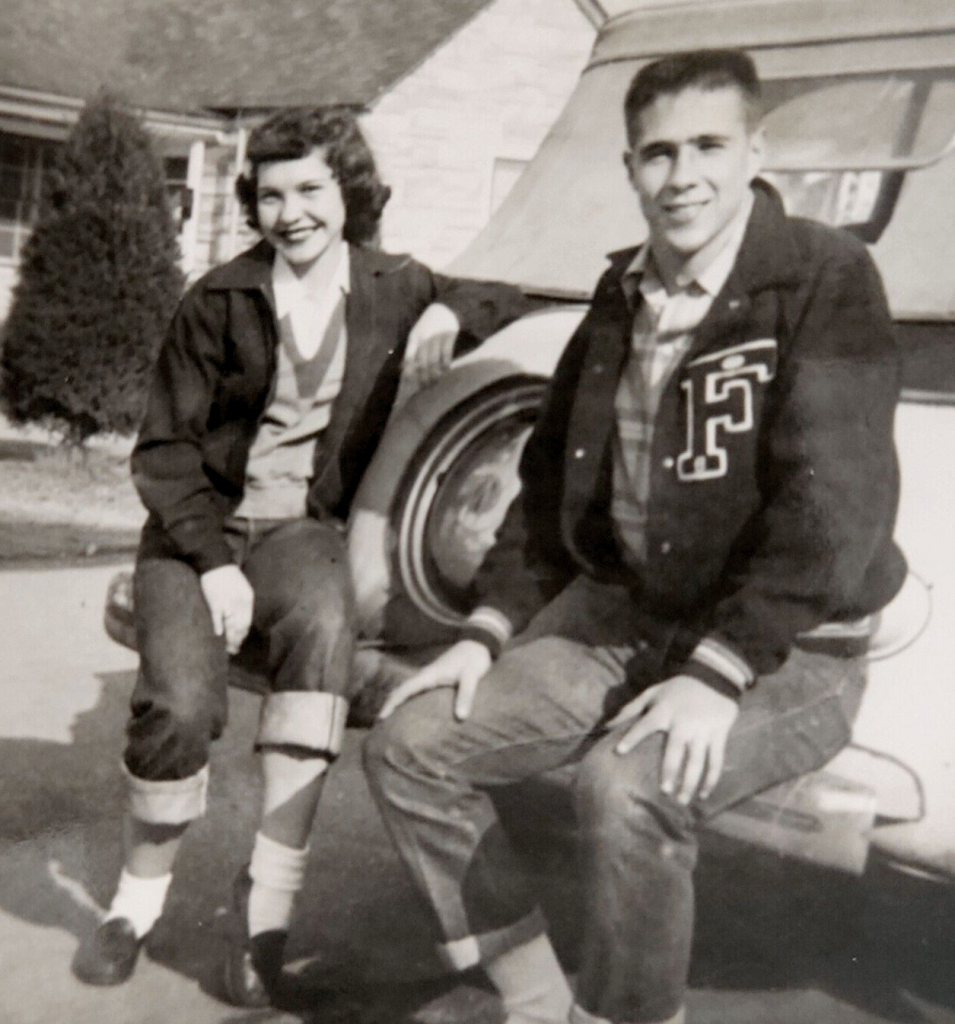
point(453, 135)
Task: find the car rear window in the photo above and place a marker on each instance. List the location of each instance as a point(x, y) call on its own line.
point(839, 147)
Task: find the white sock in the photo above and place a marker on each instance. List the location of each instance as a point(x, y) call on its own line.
point(278, 873)
point(140, 900)
point(532, 983)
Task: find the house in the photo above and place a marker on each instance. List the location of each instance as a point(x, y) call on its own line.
point(456, 96)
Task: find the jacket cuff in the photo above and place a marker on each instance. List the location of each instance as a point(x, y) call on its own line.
point(203, 546)
point(717, 665)
point(488, 626)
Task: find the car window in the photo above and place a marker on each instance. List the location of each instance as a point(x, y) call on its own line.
point(839, 147)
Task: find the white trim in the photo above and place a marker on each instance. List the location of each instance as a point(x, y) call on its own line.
point(39, 108)
point(718, 658)
point(493, 621)
point(189, 236)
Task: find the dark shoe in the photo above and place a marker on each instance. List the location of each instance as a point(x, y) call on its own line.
point(252, 970)
point(108, 955)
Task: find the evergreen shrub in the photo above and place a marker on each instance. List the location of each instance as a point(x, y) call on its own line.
point(99, 280)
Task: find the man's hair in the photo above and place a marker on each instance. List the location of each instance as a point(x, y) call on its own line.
point(293, 134)
point(697, 69)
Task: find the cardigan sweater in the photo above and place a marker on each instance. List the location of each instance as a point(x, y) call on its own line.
point(215, 376)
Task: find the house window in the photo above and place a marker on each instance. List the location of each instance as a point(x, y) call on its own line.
point(177, 189)
point(25, 163)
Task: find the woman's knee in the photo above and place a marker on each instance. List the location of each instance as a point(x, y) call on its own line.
point(169, 734)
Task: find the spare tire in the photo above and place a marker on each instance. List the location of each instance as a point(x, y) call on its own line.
point(415, 554)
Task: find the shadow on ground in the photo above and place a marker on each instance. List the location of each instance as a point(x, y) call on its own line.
point(363, 945)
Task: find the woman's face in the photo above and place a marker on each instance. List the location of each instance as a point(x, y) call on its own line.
point(300, 208)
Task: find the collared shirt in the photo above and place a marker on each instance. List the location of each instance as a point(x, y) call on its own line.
point(662, 333)
point(310, 368)
point(309, 311)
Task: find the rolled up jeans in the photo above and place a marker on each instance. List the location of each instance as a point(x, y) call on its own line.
point(544, 705)
point(304, 611)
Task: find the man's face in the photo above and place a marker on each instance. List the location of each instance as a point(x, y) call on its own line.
point(691, 163)
point(300, 208)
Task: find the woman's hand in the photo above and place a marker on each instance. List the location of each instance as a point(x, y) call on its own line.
point(230, 599)
point(431, 344)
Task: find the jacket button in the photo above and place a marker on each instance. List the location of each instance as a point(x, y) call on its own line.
point(665, 547)
point(579, 453)
point(669, 462)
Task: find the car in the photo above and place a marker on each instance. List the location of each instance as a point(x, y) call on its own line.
point(861, 132)
point(861, 129)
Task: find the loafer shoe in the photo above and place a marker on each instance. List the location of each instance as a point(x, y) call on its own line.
point(252, 969)
point(108, 955)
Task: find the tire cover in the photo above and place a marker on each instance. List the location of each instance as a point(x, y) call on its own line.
point(370, 534)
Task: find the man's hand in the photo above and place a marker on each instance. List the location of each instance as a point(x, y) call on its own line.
point(230, 598)
point(697, 721)
point(462, 666)
point(431, 344)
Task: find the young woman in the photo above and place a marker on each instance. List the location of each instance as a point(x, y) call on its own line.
point(272, 388)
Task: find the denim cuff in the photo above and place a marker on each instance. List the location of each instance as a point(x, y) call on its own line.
point(308, 719)
point(169, 801)
point(460, 954)
point(578, 1015)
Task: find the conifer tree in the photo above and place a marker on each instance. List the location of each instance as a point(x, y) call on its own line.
point(99, 280)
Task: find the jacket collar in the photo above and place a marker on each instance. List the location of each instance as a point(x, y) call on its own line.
point(768, 256)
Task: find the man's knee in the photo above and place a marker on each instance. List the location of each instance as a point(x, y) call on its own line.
point(409, 741)
point(611, 787)
point(623, 812)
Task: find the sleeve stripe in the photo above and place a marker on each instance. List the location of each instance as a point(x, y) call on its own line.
point(720, 659)
point(491, 621)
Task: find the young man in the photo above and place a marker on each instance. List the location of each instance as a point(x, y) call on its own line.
point(704, 528)
point(275, 382)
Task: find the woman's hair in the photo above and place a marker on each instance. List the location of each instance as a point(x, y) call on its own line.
point(293, 134)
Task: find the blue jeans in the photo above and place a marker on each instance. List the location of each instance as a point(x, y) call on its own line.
point(304, 611)
point(543, 706)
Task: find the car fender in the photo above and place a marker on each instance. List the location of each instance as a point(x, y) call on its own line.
point(528, 348)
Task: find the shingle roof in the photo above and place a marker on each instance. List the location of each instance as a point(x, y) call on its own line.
point(186, 55)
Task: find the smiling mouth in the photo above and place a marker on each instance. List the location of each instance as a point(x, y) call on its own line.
point(683, 213)
point(299, 234)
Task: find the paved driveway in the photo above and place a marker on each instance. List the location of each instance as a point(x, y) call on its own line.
point(777, 943)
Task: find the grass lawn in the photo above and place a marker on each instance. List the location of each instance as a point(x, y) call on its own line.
point(62, 505)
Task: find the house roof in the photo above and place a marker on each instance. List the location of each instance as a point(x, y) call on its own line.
point(190, 55)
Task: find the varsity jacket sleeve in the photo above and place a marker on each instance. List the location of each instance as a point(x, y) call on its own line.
point(829, 477)
point(528, 564)
point(167, 461)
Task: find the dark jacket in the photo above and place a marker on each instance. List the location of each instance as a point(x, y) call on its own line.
point(774, 481)
point(216, 370)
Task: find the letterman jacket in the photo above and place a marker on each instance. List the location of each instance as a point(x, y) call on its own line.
point(216, 370)
point(774, 480)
